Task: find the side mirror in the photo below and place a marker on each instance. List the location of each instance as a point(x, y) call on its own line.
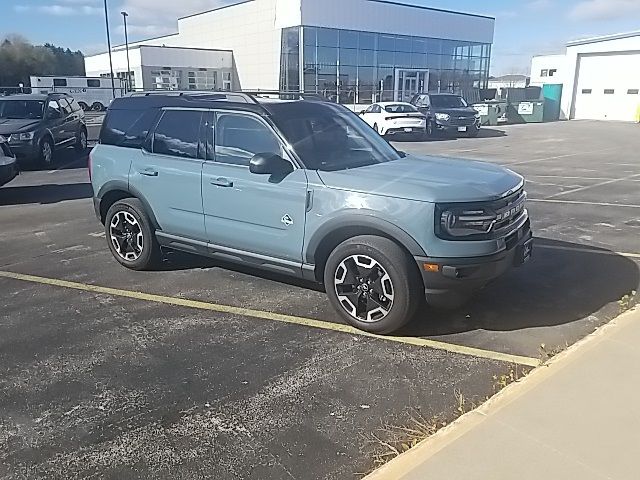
point(402, 154)
point(269, 164)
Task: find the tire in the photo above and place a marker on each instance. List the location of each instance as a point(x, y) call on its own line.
point(97, 106)
point(81, 140)
point(83, 106)
point(394, 288)
point(130, 235)
point(45, 152)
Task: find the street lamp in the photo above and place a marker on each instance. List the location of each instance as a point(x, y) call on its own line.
point(106, 19)
point(126, 42)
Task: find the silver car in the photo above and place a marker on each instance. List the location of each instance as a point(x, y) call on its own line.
point(8, 164)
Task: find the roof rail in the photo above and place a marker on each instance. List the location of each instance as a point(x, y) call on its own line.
point(285, 95)
point(238, 97)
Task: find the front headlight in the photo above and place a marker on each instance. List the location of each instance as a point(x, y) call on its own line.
point(22, 137)
point(465, 221)
point(443, 116)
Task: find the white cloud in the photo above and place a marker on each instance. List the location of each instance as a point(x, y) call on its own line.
point(59, 10)
point(150, 18)
point(605, 9)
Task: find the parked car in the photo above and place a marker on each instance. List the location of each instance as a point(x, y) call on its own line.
point(38, 124)
point(304, 188)
point(447, 113)
point(8, 164)
point(390, 118)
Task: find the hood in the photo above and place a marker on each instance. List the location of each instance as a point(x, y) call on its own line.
point(14, 125)
point(428, 179)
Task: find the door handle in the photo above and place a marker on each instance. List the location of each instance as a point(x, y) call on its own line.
point(148, 172)
point(221, 182)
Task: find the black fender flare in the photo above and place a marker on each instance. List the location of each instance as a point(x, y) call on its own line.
point(123, 186)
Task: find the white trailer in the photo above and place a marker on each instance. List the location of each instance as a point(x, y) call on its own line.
point(91, 93)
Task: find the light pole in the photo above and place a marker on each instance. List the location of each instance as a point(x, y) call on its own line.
point(106, 20)
point(126, 42)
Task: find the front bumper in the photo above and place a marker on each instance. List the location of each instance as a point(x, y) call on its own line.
point(8, 171)
point(453, 125)
point(460, 277)
point(26, 150)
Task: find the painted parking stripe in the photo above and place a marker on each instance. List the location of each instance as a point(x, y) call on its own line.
point(278, 317)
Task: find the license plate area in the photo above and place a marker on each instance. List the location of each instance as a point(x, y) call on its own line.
point(462, 129)
point(408, 130)
point(523, 255)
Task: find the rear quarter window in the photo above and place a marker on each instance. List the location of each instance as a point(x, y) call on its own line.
point(127, 128)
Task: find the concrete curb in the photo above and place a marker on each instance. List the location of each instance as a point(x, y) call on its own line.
point(410, 460)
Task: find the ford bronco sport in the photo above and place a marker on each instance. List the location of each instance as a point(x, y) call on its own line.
point(304, 188)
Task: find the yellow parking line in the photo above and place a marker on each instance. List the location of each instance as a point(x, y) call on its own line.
point(278, 317)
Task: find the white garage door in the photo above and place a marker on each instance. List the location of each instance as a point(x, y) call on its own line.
point(608, 87)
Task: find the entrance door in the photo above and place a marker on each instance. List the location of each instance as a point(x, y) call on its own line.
point(410, 82)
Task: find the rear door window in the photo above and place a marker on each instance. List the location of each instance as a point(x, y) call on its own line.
point(177, 134)
point(127, 128)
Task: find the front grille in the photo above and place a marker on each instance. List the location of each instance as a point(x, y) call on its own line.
point(462, 121)
point(509, 210)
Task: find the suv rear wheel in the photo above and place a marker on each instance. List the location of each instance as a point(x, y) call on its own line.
point(45, 153)
point(81, 140)
point(130, 235)
point(373, 284)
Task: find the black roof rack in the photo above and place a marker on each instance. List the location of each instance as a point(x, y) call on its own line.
point(237, 97)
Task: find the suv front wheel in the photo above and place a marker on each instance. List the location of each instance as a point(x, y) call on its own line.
point(373, 284)
point(130, 235)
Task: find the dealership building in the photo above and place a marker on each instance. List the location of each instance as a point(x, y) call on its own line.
point(600, 77)
point(354, 51)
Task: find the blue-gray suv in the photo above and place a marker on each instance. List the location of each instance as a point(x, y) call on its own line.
point(305, 188)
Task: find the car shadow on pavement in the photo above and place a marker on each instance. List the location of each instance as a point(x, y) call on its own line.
point(63, 160)
point(484, 133)
point(563, 283)
point(44, 194)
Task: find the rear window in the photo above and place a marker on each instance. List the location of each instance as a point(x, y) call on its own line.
point(400, 108)
point(127, 128)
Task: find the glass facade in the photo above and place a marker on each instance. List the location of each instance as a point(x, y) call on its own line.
point(363, 67)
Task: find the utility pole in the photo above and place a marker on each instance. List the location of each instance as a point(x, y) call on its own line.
point(126, 42)
point(106, 20)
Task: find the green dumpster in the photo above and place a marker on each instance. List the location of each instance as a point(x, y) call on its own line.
point(526, 112)
point(552, 96)
point(491, 111)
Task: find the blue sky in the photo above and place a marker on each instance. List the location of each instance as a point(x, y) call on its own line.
point(523, 27)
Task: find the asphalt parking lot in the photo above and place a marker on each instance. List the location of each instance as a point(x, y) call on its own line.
point(203, 371)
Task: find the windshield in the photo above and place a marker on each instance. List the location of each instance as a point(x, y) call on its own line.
point(21, 109)
point(329, 137)
point(400, 108)
point(448, 101)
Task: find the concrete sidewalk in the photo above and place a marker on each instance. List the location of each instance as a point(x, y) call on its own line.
point(576, 418)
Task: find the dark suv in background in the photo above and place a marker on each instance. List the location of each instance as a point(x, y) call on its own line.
point(447, 113)
point(38, 124)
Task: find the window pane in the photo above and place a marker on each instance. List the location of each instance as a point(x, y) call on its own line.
point(309, 36)
point(348, 39)
point(59, 82)
point(386, 42)
point(476, 50)
point(327, 37)
point(434, 61)
point(419, 60)
point(127, 128)
point(435, 45)
point(93, 83)
point(419, 45)
point(348, 56)
point(177, 134)
point(402, 59)
point(309, 55)
point(239, 137)
point(403, 44)
point(66, 108)
point(386, 59)
point(366, 57)
point(327, 56)
point(367, 41)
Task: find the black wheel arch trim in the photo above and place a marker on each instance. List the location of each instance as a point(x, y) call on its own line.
point(366, 222)
point(123, 186)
